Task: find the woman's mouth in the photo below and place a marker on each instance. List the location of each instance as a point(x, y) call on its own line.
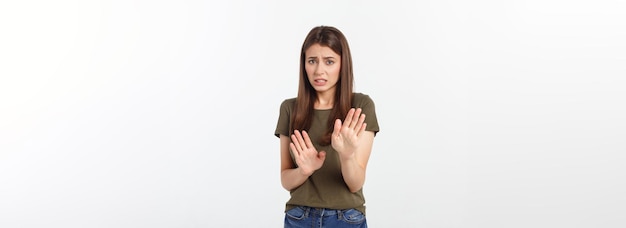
point(319, 82)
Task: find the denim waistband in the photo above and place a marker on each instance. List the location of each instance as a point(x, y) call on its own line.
point(320, 211)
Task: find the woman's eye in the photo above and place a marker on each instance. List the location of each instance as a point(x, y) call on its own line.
point(329, 62)
point(311, 61)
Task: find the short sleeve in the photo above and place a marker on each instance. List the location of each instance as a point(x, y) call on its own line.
point(284, 117)
point(368, 108)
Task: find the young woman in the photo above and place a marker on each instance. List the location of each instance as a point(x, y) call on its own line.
point(326, 135)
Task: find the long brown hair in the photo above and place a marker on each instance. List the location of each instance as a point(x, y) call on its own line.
point(333, 38)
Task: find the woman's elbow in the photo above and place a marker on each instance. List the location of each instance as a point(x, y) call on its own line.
point(354, 190)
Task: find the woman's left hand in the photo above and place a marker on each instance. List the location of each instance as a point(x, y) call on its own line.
point(347, 134)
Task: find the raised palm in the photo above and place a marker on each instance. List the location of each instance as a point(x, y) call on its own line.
point(347, 134)
point(306, 156)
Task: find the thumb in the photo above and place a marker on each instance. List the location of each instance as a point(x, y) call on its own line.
point(337, 128)
point(321, 155)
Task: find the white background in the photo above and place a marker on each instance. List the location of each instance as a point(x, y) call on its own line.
point(162, 113)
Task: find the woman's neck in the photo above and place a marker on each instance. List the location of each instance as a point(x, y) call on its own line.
point(325, 100)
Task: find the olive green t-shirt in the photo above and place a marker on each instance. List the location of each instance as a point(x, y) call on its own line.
point(326, 187)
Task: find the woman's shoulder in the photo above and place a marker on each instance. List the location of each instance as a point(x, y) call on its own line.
point(361, 98)
point(288, 103)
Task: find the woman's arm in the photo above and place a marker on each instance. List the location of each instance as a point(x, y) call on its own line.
point(353, 167)
point(354, 146)
point(306, 156)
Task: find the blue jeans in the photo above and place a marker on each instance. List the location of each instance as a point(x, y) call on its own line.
point(301, 217)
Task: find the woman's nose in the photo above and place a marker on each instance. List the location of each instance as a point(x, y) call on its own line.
point(319, 69)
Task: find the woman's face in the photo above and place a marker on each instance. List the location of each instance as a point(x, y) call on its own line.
point(322, 66)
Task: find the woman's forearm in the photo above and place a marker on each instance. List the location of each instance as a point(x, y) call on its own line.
point(353, 173)
point(292, 178)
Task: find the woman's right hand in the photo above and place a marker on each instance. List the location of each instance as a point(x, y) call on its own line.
point(306, 156)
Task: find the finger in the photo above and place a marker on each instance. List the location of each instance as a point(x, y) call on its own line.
point(300, 140)
point(360, 123)
point(307, 139)
point(348, 119)
point(355, 119)
point(337, 127)
point(294, 140)
point(294, 150)
point(362, 129)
